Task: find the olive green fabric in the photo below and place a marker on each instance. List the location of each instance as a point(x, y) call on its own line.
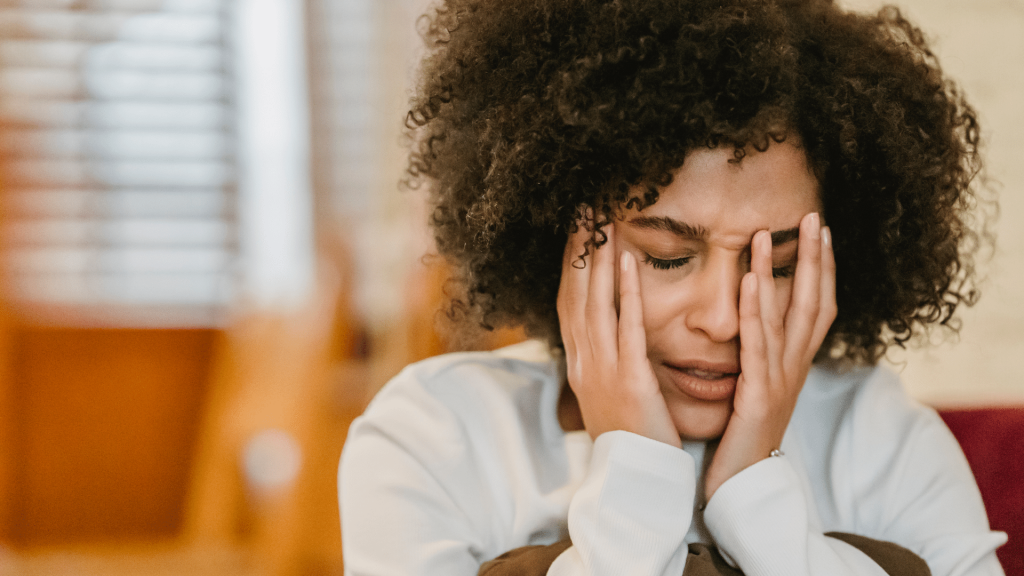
point(704, 560)
point(893, 558)
point(525, 561)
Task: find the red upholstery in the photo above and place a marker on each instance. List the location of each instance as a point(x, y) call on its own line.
point(993, 440)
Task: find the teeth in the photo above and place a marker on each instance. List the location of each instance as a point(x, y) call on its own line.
point(705, 374)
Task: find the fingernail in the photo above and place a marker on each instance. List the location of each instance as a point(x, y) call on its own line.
point(626, 261)
point(815, 225)
point(826, 236)
point(750, 283)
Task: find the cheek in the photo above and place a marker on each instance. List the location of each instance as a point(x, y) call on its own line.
point(664, 299)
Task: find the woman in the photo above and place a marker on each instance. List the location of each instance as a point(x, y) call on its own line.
point(715, 217)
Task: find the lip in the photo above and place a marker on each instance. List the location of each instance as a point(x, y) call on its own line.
point(691, 378)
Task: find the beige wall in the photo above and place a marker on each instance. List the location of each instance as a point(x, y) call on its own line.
point(981, 44)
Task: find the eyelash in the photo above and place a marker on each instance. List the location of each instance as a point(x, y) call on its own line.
point(782, 272)
point(659, 264)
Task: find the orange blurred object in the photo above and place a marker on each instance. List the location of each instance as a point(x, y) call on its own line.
point(129, 447)
point(102, 431)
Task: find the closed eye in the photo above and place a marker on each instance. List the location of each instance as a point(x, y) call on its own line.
point(782, 272)
point(659, 264)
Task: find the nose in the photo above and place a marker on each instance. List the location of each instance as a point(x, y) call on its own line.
point(715, 309)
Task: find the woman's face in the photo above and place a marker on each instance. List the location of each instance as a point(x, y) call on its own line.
point(693, 247)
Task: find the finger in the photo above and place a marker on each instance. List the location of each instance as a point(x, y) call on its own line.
point(827, 290)
point(573, 284)
point(632, 337)
point(600, 311)
point(753, 353)
point(802, 313)
point(771, 318)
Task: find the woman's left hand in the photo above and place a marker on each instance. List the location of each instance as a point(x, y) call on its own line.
point(776, 348)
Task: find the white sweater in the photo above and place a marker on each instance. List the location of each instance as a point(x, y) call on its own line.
point(461, 458)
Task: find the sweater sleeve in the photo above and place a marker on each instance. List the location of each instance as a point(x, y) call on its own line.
point(398, 517)
point(633, 511)
point(438, 477)
point(895, 473)
point(630, 516)
point(759, 520)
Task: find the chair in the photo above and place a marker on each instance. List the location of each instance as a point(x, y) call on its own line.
point(991, 439)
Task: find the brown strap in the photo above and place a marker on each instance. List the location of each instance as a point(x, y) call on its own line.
point(893, 558)
point(525, 561)
point(704, 560)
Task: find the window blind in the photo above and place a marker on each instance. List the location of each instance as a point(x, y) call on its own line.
point(361, 57)
point(117, 160)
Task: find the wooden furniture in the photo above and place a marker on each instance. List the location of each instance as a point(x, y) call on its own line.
point(99, 431)
point(123, 450)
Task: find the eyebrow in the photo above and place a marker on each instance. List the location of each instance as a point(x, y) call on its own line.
point(672, 225)
point(784, 236)
point(690, 232)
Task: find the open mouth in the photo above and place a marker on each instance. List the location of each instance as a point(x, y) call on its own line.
point(707, 374)
point(711, 383)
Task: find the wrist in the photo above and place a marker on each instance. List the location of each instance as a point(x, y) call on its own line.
point(737, 452)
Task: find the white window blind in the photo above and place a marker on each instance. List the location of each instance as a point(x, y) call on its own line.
point(361, 54)
point(117, 160)
point(348, 62)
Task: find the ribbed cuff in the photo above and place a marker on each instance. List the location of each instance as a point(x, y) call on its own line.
point(634, 508)
point(758, 518)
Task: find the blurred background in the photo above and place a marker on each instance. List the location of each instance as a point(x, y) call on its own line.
point(207, 268)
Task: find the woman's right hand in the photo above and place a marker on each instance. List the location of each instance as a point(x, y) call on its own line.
point(605, 350)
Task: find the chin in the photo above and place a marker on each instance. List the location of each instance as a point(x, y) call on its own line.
point(701, 421)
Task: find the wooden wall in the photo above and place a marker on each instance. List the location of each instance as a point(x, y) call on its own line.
point(99, 429)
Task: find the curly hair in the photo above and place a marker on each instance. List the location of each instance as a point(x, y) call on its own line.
point(528, 111)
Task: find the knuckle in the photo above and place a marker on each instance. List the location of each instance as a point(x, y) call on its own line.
point(751, 340)
point(575, 380)
point(829, 308)
point(752, 331)
point(749, 321)
point(567, 340)
point(748, 310)
point(756, 346)
point(759, 411)
point(564, 311)
point(808, 308)
point(830, 312)
point(563, 301)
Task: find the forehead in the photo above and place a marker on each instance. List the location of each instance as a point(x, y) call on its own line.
point(769, 190)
